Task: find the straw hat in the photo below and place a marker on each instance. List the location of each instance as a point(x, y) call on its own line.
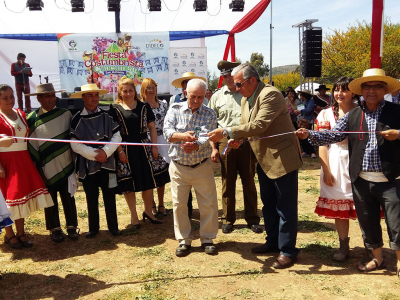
point(306, 92)
point(44, 88)
point(89, 88)
point(374, 75)
point(185, 76)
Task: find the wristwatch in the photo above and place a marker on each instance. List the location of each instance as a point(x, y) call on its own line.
point(225, 133)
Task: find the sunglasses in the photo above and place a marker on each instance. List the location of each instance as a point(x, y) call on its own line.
point(240, 84)
point(375, 87)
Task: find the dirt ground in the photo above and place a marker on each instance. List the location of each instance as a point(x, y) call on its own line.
point(142, 264)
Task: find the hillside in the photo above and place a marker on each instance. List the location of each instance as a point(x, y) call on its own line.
point(284, 69)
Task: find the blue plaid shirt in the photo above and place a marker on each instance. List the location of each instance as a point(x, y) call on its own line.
point(371, 160)
point(180, 119)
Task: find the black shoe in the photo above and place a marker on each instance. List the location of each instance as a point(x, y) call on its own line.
point(135, 226)
point(227, 228)
point(116, 232)
point(264, 248)
point(91, 234)
point(26, 244)
point(57, 236)
point(209, 248)
point(162, 213)
point(16, 245)
point(72, 234)
point(182, 250)
point(151, 220)
point(255, 228)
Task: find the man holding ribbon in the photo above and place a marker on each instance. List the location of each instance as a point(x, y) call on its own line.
point(95, 163)
point(186, 126)
point(226, 104)
point(374, 161)
point(264, 114)
point(53, 159)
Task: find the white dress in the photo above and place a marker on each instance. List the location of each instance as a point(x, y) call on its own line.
point(335, 202)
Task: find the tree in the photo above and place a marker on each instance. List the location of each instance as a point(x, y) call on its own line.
point(257, 60)
point(282, 81)
point(212, 80)
point(348, 53)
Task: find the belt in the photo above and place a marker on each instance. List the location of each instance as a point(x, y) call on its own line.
point(192, 166)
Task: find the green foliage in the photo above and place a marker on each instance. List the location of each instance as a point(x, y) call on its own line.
point(257, 60)
point(312, 190)
point(282, 81)
point(348, 52)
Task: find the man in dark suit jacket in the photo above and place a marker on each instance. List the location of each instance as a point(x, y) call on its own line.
point(264, 113)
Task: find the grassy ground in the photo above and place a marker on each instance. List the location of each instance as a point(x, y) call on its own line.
point(142, 265)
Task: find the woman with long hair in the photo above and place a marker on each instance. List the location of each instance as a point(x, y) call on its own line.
point(148, 92)
point(139, 168)
point(336, 197)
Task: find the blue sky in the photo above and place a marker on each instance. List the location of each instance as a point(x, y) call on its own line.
point(332, 14)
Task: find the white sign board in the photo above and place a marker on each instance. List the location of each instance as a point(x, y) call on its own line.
point(187, 59)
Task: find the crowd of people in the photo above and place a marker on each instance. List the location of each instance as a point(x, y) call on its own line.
point(360, 173)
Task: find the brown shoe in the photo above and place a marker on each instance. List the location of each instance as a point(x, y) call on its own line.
point(283, 262)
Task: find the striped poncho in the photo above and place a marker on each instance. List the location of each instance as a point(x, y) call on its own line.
point(52, 159)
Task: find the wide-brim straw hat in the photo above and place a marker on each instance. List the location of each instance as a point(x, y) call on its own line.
point(374, 75)
point(186, 76)
point(89, 88)
point(306, 92)
point(44, 88)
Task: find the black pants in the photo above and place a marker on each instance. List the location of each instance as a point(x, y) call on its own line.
point(68, 202)
point(307, 147)
point(279, 197)
point(91, 185)
point(368, 198)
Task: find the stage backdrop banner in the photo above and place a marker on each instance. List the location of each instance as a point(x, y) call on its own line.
point(188, 59)
point(105, 58)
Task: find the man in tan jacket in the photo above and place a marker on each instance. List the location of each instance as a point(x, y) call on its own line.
point(264, 113)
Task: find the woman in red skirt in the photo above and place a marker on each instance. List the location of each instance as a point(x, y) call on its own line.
point(20, 182)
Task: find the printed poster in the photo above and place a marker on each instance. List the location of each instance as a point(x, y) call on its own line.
point(105, 58)
point(187, 59)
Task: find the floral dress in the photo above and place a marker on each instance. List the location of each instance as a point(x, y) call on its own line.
point(142, 172)
point(159, 114)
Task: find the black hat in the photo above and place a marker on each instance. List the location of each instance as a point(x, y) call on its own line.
point(226, 67)
point(322, 87)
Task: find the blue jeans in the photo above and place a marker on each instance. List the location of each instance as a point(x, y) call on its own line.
point(368, 197)
point(279, 198)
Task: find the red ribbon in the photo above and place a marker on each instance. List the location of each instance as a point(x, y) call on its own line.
point(249, 19)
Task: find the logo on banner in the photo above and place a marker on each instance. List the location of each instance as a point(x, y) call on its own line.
point(72, 45)
point(183, 56)
point(192, 64)
point(183, 63)
point(193, 70)
point(192, 55)
point(176, 72)
point(176, 55)
point(184, 71)
point(155, 44)
point(175, 64)
point(201, 56)
point(201, 63)
point(201, 72)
